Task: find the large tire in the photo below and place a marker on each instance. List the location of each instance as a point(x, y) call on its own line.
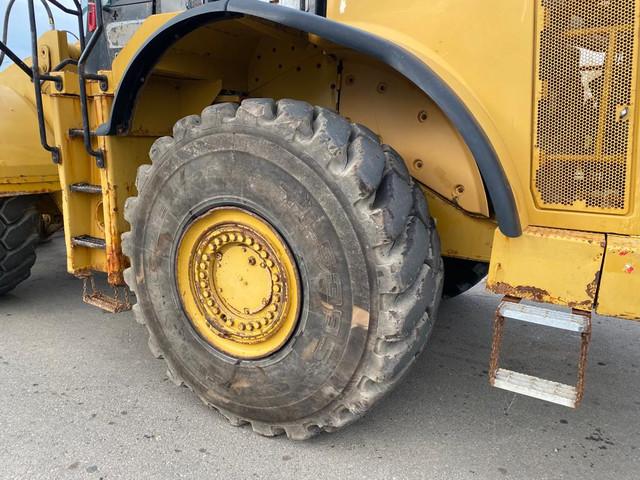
point(360, 232)
point(19, 223)
point(462, 275)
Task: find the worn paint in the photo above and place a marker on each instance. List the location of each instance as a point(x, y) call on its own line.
point(548, 266)
point(620, 286)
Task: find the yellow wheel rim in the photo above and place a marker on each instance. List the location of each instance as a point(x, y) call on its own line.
point(238, 283)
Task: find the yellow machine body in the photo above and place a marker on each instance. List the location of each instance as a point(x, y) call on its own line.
point(577, 202)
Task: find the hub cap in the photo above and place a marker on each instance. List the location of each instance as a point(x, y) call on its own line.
point(238, 283)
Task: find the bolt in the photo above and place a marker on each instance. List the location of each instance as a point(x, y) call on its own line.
point(423, 116)
point(624, 113)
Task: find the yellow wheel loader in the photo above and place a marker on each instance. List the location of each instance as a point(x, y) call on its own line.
point(290, 187)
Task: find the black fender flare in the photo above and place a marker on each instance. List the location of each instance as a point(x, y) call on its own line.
point(396, 57)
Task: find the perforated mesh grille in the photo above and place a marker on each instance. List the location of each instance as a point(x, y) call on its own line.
point(584, 122)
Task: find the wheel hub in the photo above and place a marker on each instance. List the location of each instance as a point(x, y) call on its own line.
point(238, 283)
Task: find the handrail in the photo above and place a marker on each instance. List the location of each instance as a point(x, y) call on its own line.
point(83, 76)
point(37, 78)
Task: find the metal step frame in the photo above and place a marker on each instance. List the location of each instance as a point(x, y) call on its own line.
point(558, 393)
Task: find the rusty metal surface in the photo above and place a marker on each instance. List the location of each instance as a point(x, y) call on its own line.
point(118, 303)
point(498, 335)
point(548, 266)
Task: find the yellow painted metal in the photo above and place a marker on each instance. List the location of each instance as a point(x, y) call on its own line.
point(25, 168)
point(495, 78)
point(238, 283)
point(619, 294)
point(585, 95)
point(405, 118)
point(548, 265)
point(465, 236)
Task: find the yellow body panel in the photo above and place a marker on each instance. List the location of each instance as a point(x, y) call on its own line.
point(491, 66)
point(461, 235)
point(548, 265)
point(619, 294)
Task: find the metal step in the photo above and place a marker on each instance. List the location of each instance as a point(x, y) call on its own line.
point(535, 387)
point(543, 316)
point(79, 133)
point(86, 188)
point(88, 241)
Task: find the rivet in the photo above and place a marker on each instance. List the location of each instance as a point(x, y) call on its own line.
point(459, 189)
point(269, 263)
point(203, 284)
point(269, 316)
point(275, 277)
point(206, 294)
point(250, 327)
point(224, 238)
point(350, 80)
point(205, 257)
point(263, 265)
point(202, 275)
point(276, 288)
point(232, 237)
point(418, 164)
point(252, 261)
point(242, 327)
point(256, 325)
point(229, 322)
point(240, 238)
point(249, 241)
point(203, 266)
point(423, 116)
point(210, 302)
point(263, 254)
point(382, 87)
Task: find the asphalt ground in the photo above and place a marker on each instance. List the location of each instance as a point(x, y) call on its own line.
point(81, 397)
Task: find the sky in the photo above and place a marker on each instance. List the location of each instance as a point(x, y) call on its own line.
point(19, 37)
